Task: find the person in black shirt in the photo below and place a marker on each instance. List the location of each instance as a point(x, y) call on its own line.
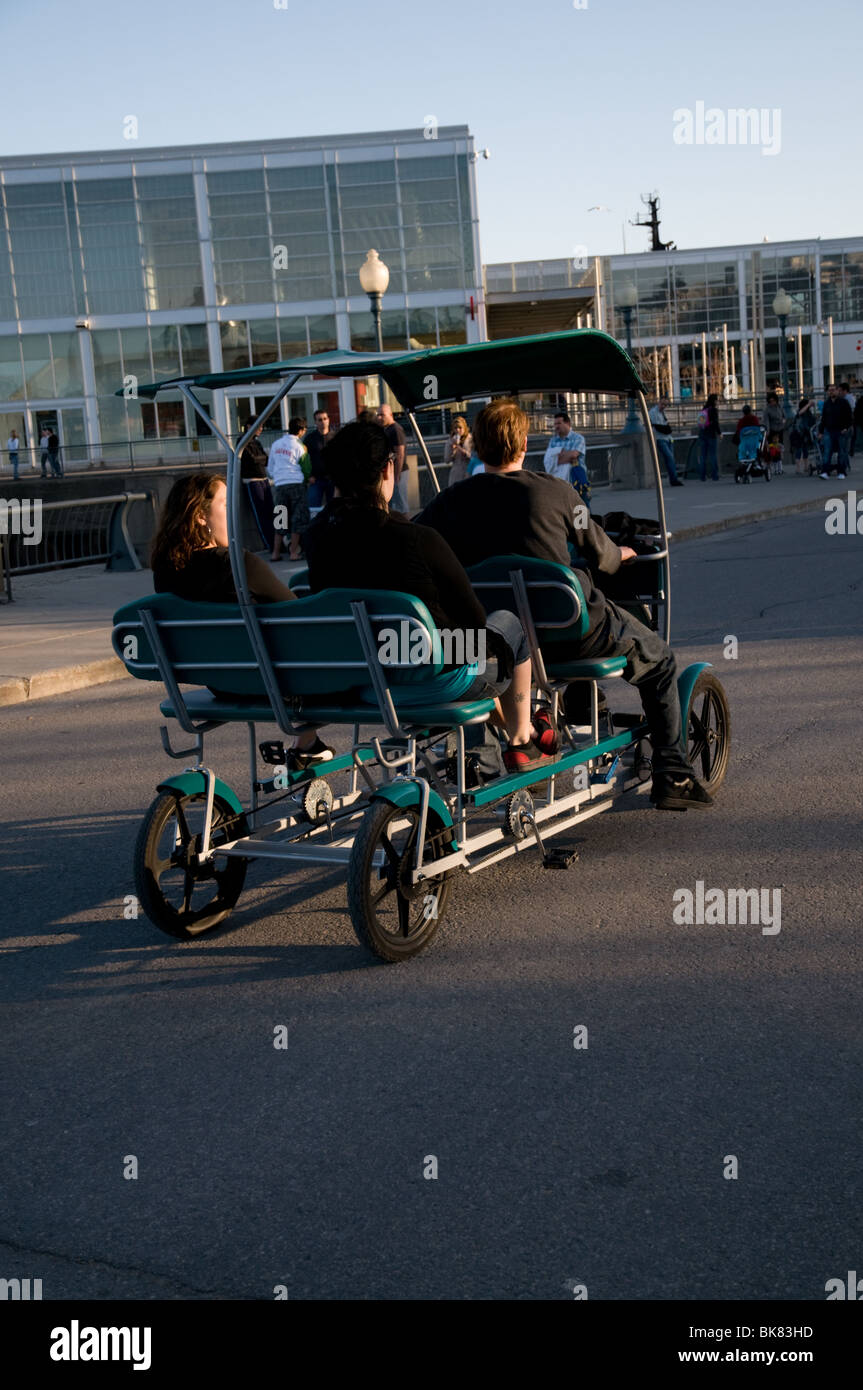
point(253, 459)
point(396, 436)
point(253, 471)
point(189, 557)
point(320, 486)
point(506, 511)
point(357, 542)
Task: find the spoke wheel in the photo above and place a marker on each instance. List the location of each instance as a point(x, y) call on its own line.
point(179, 897)
point(393, 917)
point(709, 731)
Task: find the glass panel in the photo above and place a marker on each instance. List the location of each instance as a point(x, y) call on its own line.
point(428, 167)
point(235, 345)
point(264, 341)
point(106, 360)
point(135, 343)
point(196, 354)
point(73, 439)
point(452, 323)
point(369, 171)
point(322, 333)
point(303, 176)
point(237, 181)
point(166, 350)
point(393, 330)
point(423, 328)
point(11, 373)
point(854, 285)
point(38, 376)
point(66, 353)
point(292, 336)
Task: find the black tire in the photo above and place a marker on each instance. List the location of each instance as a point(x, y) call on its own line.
point(392, 918)
point(768, 473)
point(708, 733)
point(166, 889)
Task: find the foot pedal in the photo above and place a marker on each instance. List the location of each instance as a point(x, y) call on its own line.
point(273, 753)
point(607, 773)
point(559, 858)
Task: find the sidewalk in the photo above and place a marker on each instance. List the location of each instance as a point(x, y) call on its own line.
point(55, 637)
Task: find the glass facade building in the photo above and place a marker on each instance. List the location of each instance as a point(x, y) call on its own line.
point(126, 266)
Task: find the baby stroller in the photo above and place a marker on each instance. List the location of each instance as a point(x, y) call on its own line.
point(753, 455)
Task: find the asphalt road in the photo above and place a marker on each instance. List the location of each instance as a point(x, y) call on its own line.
point(602, 1166)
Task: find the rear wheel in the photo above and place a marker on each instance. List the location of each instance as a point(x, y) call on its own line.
point(709, 731)
point(180, 897)
point(392, 916)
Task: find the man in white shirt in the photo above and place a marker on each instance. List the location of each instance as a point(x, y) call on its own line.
point(287, 473)
point(44, 440)
point(565, 448)
point(13, 444)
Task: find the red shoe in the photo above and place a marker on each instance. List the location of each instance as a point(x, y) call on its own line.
point(522, 758)
point(548, 741)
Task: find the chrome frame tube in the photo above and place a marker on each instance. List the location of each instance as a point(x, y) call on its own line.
point(660, 506)
point(418, 435)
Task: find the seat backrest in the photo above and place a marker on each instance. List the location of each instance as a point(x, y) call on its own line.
point(554, 594)
point(298, 583)
point(314, 642)
point(750, 442)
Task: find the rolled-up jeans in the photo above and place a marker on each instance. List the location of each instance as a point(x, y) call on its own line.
point(666, 452)
point(652, 669)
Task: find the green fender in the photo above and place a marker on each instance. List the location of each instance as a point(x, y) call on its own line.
point(195, 784)
point(407, 793)
point(685, 686)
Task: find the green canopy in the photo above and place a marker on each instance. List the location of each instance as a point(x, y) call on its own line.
point(580, 360)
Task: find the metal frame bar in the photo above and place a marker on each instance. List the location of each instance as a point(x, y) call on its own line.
point(418, 435)
point(660, 504)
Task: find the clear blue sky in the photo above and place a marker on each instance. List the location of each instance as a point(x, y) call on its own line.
point(576, 105)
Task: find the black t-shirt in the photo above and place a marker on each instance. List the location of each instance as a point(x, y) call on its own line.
point(350, 547)
point(316, 442)
point(396, 435)
point(253, 460)
point(521, 513)
point(207, 577)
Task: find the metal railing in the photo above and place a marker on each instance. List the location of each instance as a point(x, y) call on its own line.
point(37, 535)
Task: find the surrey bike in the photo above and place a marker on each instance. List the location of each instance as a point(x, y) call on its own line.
point(396, 808)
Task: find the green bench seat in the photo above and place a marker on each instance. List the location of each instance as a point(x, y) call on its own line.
point(203, 704)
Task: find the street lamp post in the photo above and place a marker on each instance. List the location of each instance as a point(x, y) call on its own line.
point(374, 278)
point(626, 301)
point(782, 306)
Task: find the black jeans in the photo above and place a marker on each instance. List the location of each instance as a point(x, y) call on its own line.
point(651, 668)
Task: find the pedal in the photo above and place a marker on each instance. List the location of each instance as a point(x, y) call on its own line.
point(559, 858)
point(273, 753)
point(606, 774)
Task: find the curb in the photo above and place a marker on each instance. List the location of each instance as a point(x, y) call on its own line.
point(689, 533)
point(16, 690)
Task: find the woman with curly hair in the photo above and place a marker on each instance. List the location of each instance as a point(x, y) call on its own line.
point(190, 558)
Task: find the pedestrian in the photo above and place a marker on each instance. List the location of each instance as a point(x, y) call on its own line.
point(458, 450)
point(847, 394)
point(44, 456)
point(833, 430)
point(13, 444)
point(664, 441)
point(396, 435)
point(709, 434)
point(802, 430)
point(774, 420)
point(288, 476)
point(253, 459)
point(857, 430)
point(320, 486)
point(253, 471)
point(566, 449)
point(54, 455)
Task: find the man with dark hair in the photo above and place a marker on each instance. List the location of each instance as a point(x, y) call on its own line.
point(532, 514)
point(320, 486)
point(833, 428)
point(288, 476)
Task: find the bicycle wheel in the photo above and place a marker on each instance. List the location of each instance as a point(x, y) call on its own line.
point(393, 917)
point(709, 731)
point(180, 897)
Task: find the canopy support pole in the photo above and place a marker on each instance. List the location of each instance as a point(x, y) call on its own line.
point(235, 548)
point(423, 449)
point(660, 507)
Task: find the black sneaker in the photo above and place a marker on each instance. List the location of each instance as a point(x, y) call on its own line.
point(473, 778)
point(299, 758)
point(678, 793)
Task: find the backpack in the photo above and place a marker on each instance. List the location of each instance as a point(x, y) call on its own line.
point(703, 419)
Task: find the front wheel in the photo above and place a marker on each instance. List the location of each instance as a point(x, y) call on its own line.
point(180, 897)
point(709, 731)
point(392, 916)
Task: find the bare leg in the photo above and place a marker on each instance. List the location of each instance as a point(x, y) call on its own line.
point(295, 553)
point(515, 705)
point(278, 542)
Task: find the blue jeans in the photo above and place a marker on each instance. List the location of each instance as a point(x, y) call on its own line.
point(834, 441)
point(709, 450)
point(666, 452)
point(13, 459)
